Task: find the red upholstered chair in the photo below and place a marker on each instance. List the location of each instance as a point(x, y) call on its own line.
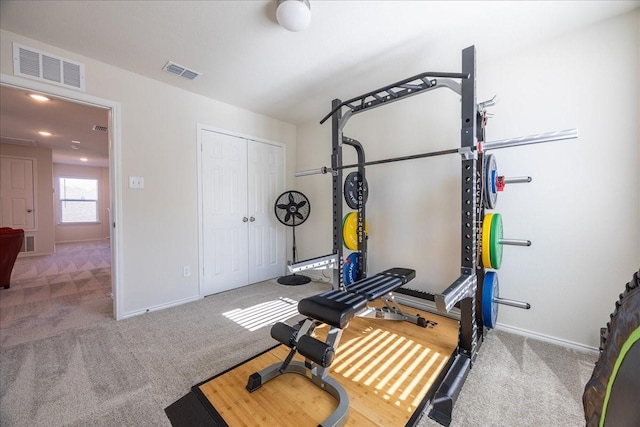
point(10, 244)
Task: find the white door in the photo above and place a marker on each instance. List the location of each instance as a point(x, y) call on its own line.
point(243, 242)
point(224, 216)
point(266, 234)
point(17, 193)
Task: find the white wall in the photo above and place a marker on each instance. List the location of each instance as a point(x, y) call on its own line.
point(582, 210)
point(158, 142)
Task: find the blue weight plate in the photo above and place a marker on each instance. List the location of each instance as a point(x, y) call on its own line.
point(350, 269)
point(489, 185)
point(490, 291)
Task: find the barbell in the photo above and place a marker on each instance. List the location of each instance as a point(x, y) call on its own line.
point(493, 145)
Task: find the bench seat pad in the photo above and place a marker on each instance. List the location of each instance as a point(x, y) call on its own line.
point(333, 307)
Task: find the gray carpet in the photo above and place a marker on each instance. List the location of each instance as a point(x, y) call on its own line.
point(65, 362)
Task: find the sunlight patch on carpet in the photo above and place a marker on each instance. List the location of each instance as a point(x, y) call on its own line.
point(263, 314)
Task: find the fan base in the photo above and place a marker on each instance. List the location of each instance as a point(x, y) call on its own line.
point(294, 280)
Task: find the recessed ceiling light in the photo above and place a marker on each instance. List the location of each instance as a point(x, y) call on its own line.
point(84, 159)
point(45, 133)
point(38, 97)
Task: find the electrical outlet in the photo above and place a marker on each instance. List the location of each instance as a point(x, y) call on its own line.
point(186, 271)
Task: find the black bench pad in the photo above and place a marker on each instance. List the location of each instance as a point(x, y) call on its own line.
point(381, 284)
point(333, 307)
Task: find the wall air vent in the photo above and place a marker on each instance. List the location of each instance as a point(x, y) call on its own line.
point(179, 70)
point(99, 128)
point(39, 65)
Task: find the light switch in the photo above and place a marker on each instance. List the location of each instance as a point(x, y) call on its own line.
point(136, 182)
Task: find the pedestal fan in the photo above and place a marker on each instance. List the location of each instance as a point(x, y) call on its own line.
point(292, 208)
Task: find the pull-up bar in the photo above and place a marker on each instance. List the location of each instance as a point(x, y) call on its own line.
point(494, 145)
point(407, 87)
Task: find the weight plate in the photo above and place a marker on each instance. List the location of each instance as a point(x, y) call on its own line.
point(350, 269)
point(350, 230)
point(495, 247)
point(351, 190)
point(490, 293)
point(486, 240)
point(489, 187)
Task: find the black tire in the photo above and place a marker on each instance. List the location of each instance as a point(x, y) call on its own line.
point(625, 319)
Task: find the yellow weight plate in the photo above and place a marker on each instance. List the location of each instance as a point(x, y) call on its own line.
point(486, 240)
point(350, 230)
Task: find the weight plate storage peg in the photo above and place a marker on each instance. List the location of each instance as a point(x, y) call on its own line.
point(490, 184)
point(350, 269)
point(351, 190)
point(490, 297)
point(486, 232)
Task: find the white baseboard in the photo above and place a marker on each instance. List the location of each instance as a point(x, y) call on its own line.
point(159, 307)
point(547, 338)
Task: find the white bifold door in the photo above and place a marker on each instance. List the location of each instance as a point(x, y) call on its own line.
point(242, 241)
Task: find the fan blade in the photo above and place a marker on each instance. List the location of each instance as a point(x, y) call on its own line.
point(285, 207)
point(291, 199)
point(287, 217)
point(301, 204)
point(299, 215)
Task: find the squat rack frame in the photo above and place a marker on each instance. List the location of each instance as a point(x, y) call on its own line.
point(466, 291)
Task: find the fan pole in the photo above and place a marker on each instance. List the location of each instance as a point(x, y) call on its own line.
point(294, 279)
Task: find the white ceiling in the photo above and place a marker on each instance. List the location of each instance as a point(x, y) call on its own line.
point(247, 60)
point(21, 118)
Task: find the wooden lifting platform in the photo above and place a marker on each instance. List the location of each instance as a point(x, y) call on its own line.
point(388, 368)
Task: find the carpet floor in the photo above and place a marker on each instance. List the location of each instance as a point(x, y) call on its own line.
point(64, 361)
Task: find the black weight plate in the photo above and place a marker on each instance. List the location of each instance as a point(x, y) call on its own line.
point(351, 190)
point(489, 185)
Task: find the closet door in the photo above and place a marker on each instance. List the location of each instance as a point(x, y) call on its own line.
point(266, 235)
point(224, 212)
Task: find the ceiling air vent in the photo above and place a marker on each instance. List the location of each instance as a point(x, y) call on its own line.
point(99, 128)
point(181, 71)
point(18, 141)
point(39, 65)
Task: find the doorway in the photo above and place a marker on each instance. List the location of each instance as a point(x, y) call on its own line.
point(111, 213)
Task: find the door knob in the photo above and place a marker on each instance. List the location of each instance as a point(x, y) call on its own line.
point(252, 219)
point(29, 210)
point(245, 219)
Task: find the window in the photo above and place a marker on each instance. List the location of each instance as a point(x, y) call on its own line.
point(78, 200)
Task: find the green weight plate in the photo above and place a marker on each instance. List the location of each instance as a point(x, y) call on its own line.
point(489, 186)
point(486, 240)
point(495, 249)
point(490, 292)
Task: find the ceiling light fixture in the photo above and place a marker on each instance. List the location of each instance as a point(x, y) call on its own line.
point(45, 133)
point(39, 97)
point(293, 15)
point(84, 159)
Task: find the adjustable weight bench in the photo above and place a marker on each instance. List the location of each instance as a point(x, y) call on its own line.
point(334, 308)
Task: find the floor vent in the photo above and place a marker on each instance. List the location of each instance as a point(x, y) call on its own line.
point(29, 244)
point(39, 65)
point(99, 128)
point(179, 70)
